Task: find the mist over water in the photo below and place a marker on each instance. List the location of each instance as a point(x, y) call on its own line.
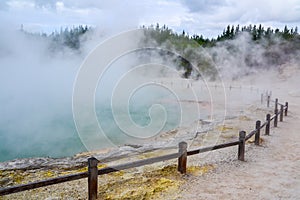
point(36, 86)
point(36, 90)
point(36, 99)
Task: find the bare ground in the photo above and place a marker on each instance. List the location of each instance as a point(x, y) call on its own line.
point(271, 170)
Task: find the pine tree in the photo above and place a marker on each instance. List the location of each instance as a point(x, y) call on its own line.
point(260, 32)
point(232, 32)
point(237, 29)
point(227, 34)
point(254, 33)
point(296, 31)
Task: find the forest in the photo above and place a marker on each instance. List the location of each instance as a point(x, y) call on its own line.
point(277, 46)
point(252, 46)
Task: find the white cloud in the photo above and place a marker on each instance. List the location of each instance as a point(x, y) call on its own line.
point(59, 6)
point(20, 5)
point(210, 17)
point(207, 17)
point(3, 5)
point(206, 6)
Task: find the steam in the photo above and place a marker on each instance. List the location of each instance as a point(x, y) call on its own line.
point(36, 87)
point(127, 81)
point(242, 56)
point(36, 94)
point(36, 83)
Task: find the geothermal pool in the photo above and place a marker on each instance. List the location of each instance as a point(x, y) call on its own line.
point(56, 135)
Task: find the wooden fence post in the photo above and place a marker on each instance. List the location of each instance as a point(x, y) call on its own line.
point(182, 157)
point(281, 113)
point(286, 108)
point(261, 98)
point(268, 124)
point(257, 134)
point(92, 178)
point(276, 118)
point(276, 104)
point(241, 151)
point(268, 101)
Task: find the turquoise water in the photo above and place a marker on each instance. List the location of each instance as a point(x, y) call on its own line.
point(39, 122)
point(140, 117)
point(57, 136)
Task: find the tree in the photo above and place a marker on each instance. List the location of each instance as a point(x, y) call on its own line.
point(231, 32)
point(260, 32)
point(254, 33)
point(268, 32)
point(286, 33)
point(227, 34)
point(296, 31)
point(237, 29)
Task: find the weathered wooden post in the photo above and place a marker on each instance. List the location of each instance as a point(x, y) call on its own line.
point(276, 105)
point(182, 157)
point(92, 178)
point(286, 108)
point(276, 118)
point(241, 151)
point(257, 134)
point(268, 101)
point(276, 113)
point(268, 118)
point(281, 113)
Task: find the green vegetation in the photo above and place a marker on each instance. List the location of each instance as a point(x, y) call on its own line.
point(164, 34)
point(198, 55)
point(68, 37)
point(248, 46)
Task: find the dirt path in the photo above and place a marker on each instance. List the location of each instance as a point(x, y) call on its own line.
point(271, 171)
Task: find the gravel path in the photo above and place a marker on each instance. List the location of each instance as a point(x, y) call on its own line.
point(271, 171)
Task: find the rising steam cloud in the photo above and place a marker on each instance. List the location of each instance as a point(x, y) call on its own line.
point(36, 87)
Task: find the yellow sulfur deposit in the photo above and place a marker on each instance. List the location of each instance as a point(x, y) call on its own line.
point(199, 170)
point(224, 128)
point(48, 174)
point(137, 188)
point(151, 182)
point(148, 185)
point(252, 140)
point(244, 118)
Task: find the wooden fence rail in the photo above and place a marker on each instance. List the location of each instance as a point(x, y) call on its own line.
point(93, 171)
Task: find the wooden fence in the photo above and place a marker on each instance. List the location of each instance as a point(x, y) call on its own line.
point(181, 155)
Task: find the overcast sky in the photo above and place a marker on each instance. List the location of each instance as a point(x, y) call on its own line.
point(206, 17)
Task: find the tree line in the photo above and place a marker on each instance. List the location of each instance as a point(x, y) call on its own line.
point(279, 45)
point(70, 37)
point(67, 37)
point(258, 32)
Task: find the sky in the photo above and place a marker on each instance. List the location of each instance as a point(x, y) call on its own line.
point(206, 17)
